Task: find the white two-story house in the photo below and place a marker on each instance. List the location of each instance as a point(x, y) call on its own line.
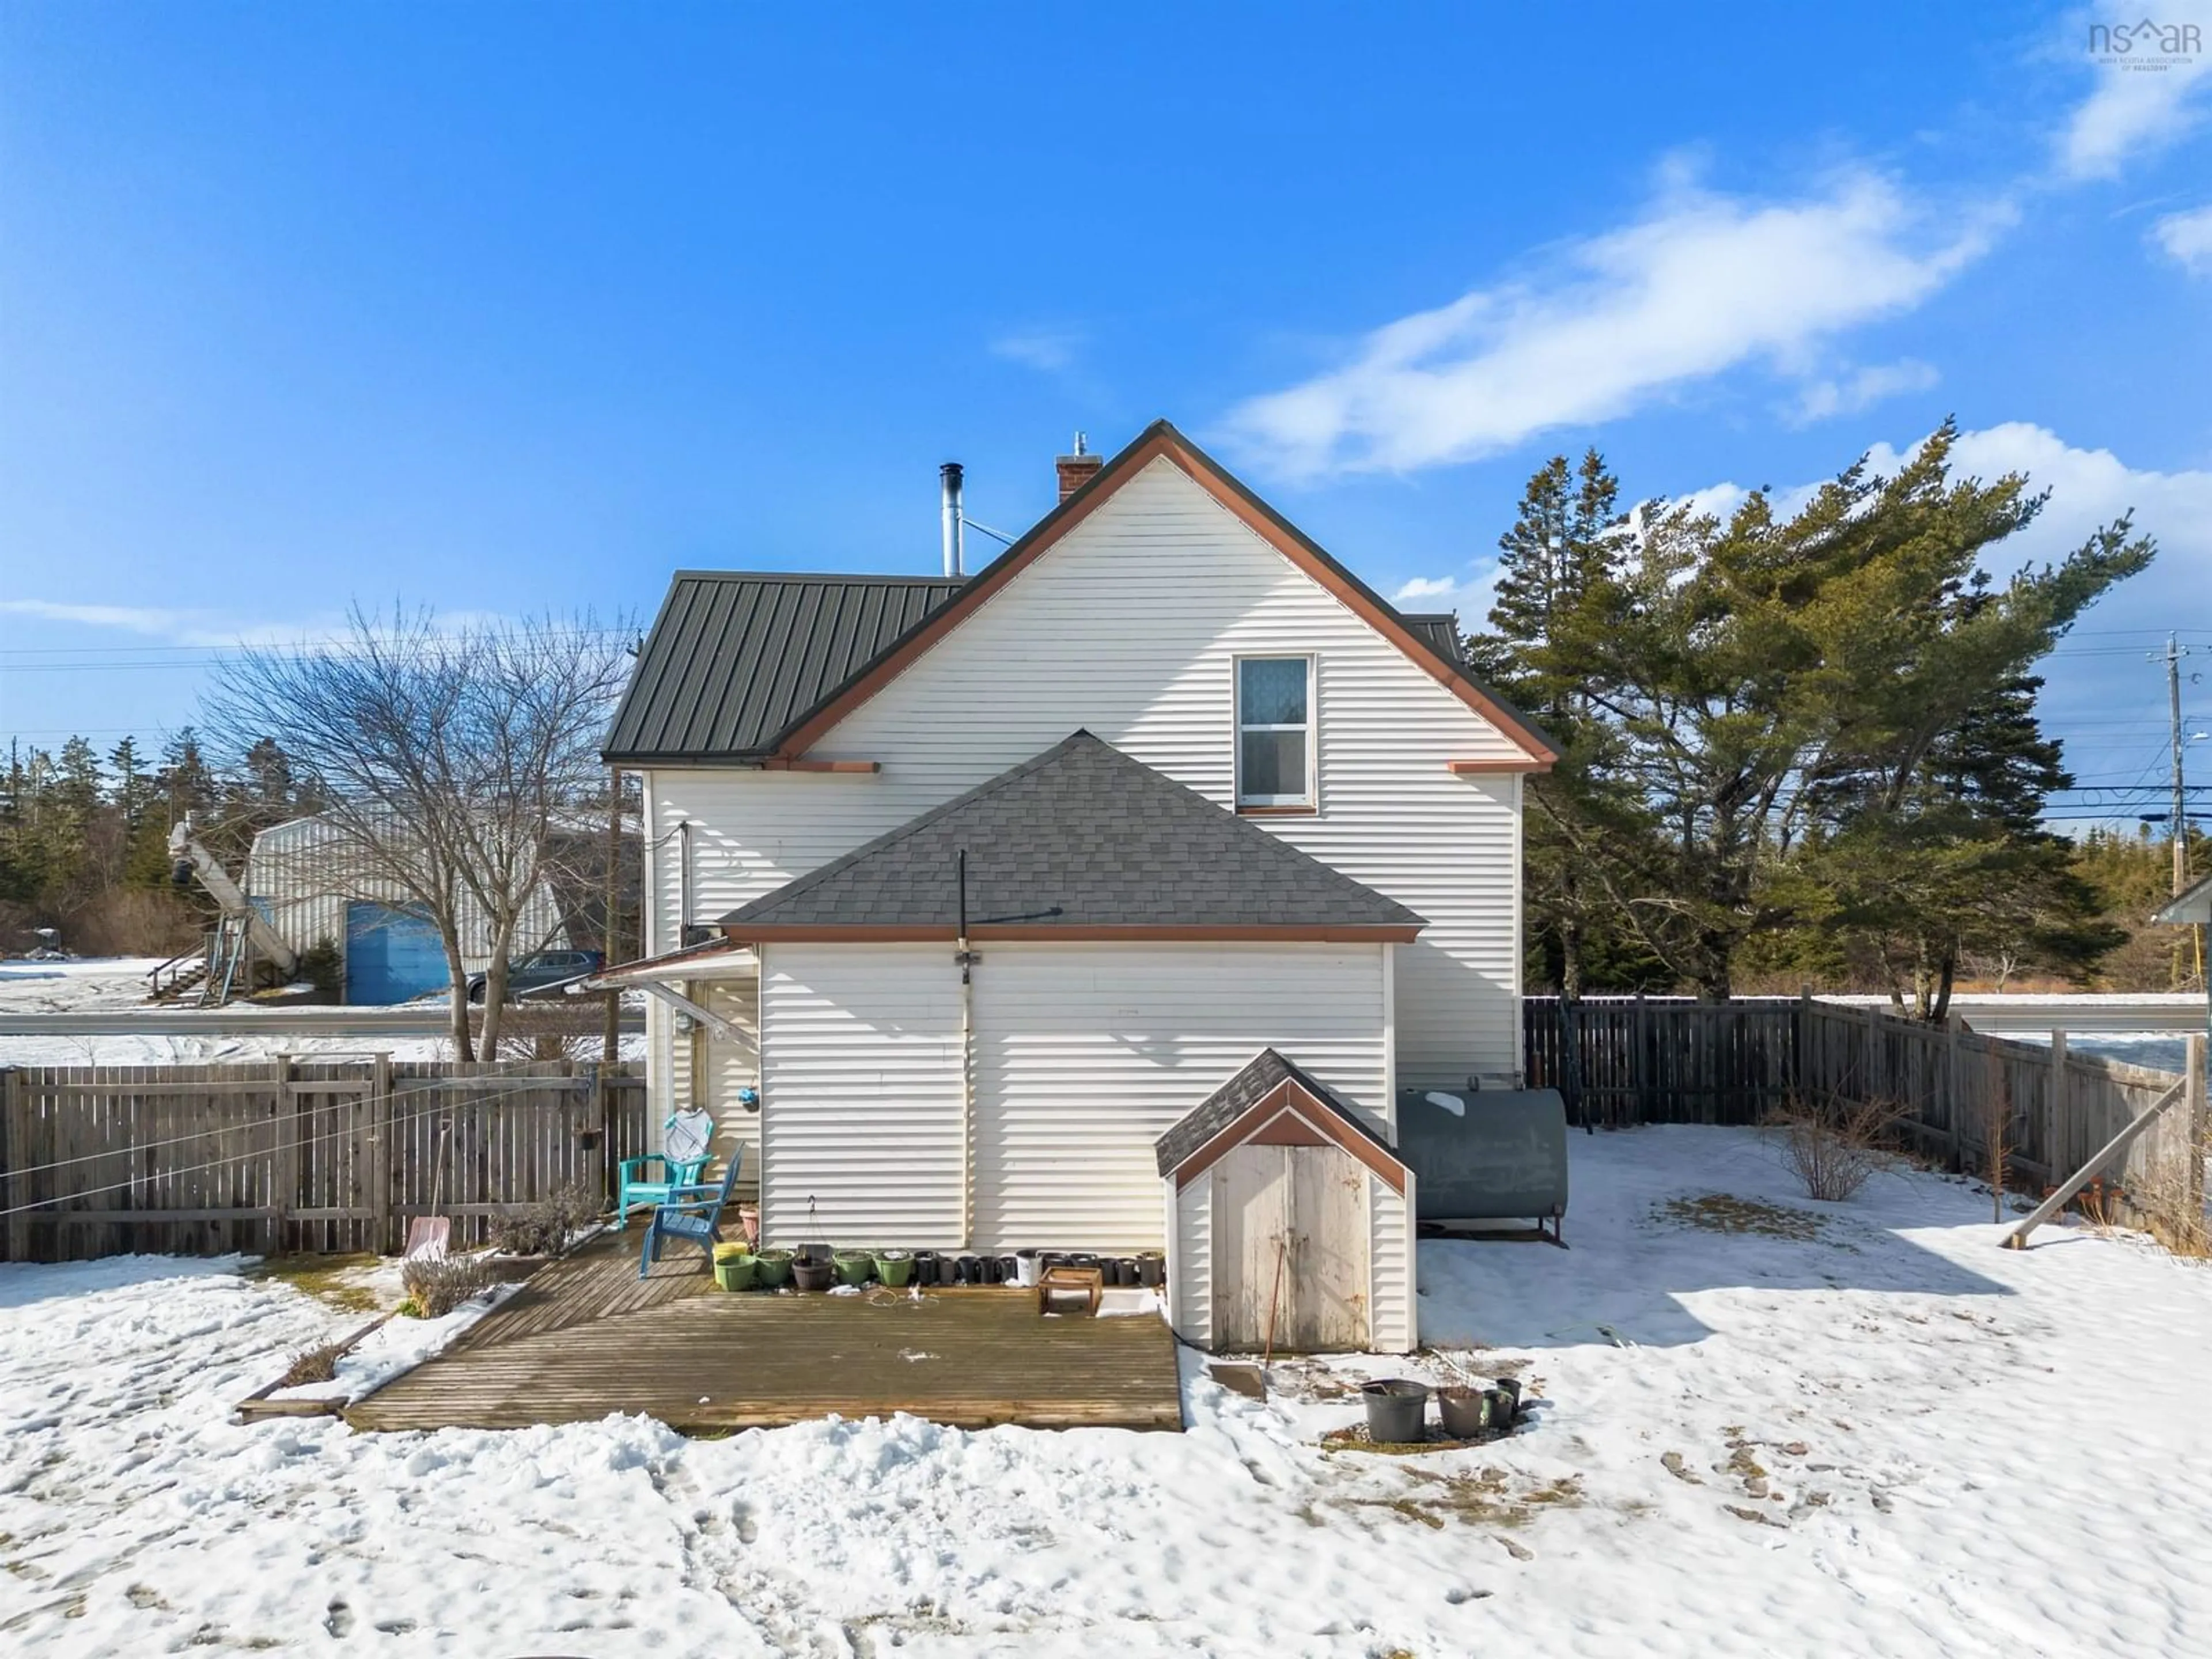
point(1103, 900)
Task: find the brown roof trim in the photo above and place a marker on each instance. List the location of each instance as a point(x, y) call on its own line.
point(1092, 933)
point(802, 763)
point(1478, 768)
point(1289, 1096)
point(1158, 440)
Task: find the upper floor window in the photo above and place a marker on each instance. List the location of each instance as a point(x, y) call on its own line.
point(1275, 731)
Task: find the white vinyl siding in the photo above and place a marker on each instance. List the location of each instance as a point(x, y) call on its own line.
point(1190, 1262)
point(1086, 1054)
point(1130, 627)
point(862, 1100)
point(1391, 1292)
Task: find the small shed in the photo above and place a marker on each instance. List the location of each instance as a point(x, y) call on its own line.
point(1289, 1218)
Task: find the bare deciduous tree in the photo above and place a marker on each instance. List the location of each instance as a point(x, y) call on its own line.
point(457, 763)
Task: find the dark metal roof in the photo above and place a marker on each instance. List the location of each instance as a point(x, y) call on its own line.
point(736, 657)
point(1238, 1096)
point(1439, 631)
point(1081, 836)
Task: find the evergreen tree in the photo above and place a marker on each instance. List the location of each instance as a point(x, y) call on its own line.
point(1561, 553)
point(1768, 683)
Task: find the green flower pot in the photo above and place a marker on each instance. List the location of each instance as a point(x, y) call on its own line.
point(772, 1269)
point(737, 1272)
point(854, 1266)
point(894, 1268)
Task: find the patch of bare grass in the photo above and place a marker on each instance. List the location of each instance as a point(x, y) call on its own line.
point(1489, 1497)
point(1724, 1212)
point(333, 1279)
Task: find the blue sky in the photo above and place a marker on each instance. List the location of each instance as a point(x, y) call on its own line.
point(503, 307)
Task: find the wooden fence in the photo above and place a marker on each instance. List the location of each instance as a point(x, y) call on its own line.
point(1621, 1060)
point(323, 1156)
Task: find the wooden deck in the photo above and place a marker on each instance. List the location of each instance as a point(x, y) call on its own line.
point(586, 1337)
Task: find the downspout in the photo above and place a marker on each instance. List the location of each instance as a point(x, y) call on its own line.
point(684, 884)
point(966, 959)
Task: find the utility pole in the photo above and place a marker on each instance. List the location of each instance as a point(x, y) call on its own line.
point(2175, 651)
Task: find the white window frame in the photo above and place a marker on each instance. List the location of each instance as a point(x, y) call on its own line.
point(1310, 799)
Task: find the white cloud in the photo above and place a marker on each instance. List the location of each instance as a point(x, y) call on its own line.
point(1861, 389)
point(2187, 239)
point(160, 624)
point(1423, 588)
point(1701, 284)
point(1468, 595)
point(1048, 350)
point(2151, 74)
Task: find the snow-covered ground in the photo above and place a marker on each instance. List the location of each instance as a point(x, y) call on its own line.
point(1766, 1427)
point(118, 984)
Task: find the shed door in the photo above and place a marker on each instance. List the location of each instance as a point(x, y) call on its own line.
point(393, 954)
point(1289, 1250)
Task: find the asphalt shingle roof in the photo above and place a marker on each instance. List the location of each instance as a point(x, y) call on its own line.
point(1238, 1096)
point(736, 658)
point(1081, 836)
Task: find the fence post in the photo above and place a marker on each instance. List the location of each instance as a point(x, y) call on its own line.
point(2195, 1109)
point(2056, 1117)
point(1954, 1119)
point(284, 1176)
point(1639, 1067)
point(384, 1150)
point(17, 1146)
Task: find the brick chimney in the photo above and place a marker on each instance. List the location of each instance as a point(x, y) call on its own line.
point(1078, 469)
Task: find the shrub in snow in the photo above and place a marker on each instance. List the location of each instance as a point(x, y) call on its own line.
point(1832, 1148)
point(545, 1228)
point(438, 1286)
point(311, 1366)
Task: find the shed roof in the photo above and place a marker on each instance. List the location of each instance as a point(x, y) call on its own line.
point(1239, 1106)
point(1080, 841)
point(737, 657)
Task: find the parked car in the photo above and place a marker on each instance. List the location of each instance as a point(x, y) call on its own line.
point(541, 971)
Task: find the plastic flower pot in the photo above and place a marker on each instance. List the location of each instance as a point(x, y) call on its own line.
point(1025, 1268)
point(729, 1250)
point(1511, 1388)
point(735, 1273)
point(854, 1266)
point(894, 1267)
point(1152, 1269)
point(812, 1268)
point(1464, 1412)
point(749, 1219)
point(772, 1269)
point(1502, 1407)
point(1396, 1408)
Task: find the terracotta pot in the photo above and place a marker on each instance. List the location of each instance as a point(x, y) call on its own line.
point(749, 1219)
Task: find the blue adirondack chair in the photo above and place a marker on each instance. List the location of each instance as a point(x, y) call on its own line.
point(692, 1213)
point(687, 1135)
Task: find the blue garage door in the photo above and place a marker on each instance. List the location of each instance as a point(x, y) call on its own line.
point(392, 954)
